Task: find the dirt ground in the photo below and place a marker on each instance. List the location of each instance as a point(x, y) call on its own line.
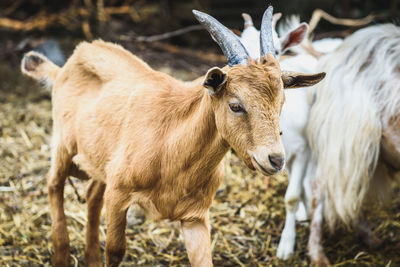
point(246, 217)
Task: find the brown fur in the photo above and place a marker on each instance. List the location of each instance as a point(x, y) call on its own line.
point(146, 138)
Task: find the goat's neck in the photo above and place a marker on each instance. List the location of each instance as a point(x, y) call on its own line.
point(191, 160)
point(200, 141)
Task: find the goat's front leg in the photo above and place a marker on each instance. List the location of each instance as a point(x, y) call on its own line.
point(197, 240)
point(60, 163)
point(94, 197)
point(315, 248)
point(117, 204)
point(292, 198)
point(288, 237)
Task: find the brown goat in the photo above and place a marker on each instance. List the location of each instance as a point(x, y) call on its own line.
point(148, 139)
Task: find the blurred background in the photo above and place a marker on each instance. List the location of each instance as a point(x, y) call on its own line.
point(248, 213)
point(25, 23)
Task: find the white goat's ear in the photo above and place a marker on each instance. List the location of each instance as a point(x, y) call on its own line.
point(215, 80)
point(294, 79)
point(294, 37)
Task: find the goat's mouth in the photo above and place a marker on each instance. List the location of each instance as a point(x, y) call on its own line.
point(249, 163)
point(262, 169)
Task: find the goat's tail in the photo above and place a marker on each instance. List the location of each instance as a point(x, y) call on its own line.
point(39, 67)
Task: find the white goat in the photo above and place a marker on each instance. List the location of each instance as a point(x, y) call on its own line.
point(353, 131)
point(293, 121)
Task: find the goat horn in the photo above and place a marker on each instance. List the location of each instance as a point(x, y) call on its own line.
point(226, 39)
point(248, 21)
point(266, 41)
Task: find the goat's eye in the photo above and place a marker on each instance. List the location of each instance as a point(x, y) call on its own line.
point(236, 108)
point(280, 133)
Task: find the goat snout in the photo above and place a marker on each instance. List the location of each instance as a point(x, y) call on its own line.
point(277, 161)
point(267, 162)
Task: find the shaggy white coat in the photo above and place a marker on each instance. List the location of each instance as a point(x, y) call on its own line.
point(352, 104)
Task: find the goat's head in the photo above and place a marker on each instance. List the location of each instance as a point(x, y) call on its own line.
point(247, 96)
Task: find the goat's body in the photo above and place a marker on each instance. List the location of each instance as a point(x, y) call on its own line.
point(352, 129)
point(146, 138)
point(146, 153)
point(367, 97)
point(149, 139)
point(142, 136)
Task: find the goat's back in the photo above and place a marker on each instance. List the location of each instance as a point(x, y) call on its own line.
point(103, 96)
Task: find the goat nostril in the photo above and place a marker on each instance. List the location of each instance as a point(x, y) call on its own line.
point(276, 162)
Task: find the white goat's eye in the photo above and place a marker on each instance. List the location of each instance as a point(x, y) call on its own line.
point(236, 108)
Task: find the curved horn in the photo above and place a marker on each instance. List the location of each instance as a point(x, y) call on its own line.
point(266, 41)
point(248, 21)
point(226, 39)
point(275, 19)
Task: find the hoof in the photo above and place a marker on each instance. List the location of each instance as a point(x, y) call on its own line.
point(286, 247)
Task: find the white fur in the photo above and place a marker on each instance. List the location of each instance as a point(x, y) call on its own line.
point(327, 45)
point(360, 92)
point(293, 121)
point(250, 38)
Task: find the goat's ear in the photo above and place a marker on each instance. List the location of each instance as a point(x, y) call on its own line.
point(294, 79)
point(294, 37)
point(215, 80)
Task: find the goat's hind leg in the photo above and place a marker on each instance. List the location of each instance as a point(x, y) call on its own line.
point(380, 189)
point(60, 163)
point(315, 248)
point(94, 197)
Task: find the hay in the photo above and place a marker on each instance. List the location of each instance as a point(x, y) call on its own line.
point(246, 218)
